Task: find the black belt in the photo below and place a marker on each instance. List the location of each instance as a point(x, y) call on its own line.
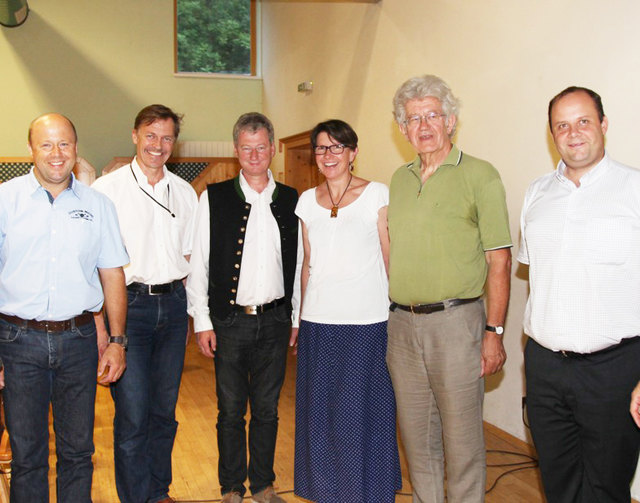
point(154, 289)
point(50, 326)
point(431, 308)
point(623, 342)
point(259, 309)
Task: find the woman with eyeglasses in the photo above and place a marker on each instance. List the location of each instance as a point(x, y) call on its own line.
point(346, 449)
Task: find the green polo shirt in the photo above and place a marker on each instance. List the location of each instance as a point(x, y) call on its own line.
point(440, 230)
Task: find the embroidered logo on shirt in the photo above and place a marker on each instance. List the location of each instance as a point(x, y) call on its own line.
point(84, 214)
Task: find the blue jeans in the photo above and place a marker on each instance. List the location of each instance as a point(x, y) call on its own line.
point(58, 368)
point(144, 427)
point(250, 363)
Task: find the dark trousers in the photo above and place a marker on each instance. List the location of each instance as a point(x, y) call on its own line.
point(43, 368)
point(578, 408)
point(145, 397)
point(250, 362)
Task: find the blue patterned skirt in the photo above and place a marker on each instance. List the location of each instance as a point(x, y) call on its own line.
point(346, 447)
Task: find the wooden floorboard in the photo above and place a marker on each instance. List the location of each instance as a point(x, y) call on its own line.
point(195, 452)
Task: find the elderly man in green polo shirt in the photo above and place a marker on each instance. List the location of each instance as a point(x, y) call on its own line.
point(450, 246)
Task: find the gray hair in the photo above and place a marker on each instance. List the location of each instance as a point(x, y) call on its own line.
point(421, 87)
point(252, 122)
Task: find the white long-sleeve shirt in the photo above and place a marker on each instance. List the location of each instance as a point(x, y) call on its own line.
point(261, 274)
point(157, 243)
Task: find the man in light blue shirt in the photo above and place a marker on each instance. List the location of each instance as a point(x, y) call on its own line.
point(60, 249)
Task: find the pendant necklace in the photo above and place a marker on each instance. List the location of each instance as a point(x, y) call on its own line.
point(334, 206)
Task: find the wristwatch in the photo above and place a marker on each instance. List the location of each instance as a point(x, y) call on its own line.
point(123, 340)
point(499, 330)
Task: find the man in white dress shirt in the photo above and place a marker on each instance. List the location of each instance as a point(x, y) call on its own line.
point(156, 209)
point(580, 231)
point(240, 290)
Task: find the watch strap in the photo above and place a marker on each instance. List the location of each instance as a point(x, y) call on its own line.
point(499, 329)
point(118, 339)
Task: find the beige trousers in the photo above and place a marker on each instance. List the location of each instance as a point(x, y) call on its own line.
point(434, 362)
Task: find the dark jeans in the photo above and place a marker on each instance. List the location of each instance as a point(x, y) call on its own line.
point(144, 427)
point(578, 408)
point(58, 368)
point(250, 362)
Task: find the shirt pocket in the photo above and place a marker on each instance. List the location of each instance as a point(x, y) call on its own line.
point(610, 241)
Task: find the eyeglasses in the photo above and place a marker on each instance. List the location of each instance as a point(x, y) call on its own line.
point(416, 120)
point(260, 149)
point(334, 149)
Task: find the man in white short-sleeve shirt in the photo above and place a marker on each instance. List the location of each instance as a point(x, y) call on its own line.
point(61, 261)
point(580, 231)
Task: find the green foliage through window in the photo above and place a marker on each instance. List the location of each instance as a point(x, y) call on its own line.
point(214, 36)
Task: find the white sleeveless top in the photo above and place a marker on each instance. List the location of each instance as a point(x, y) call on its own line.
point(347, 282)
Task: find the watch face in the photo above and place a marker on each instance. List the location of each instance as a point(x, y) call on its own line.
point(499, 330)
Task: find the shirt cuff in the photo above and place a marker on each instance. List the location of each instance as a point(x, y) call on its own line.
point(202, 323)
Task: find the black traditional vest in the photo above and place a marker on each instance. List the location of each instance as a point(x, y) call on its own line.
point(228, 215)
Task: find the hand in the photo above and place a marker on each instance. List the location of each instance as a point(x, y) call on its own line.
point(84, 171)
point(206, 342)
point(2, 378)
point(111, 364)
point(493, 354)
point(293, 340)
point(635, 404)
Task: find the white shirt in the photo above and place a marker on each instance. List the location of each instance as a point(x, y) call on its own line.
point(261, 278)
point(348, 281)
point(582, 245)
point(157, 243)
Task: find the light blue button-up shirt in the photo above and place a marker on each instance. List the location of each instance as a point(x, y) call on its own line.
point(51, 250)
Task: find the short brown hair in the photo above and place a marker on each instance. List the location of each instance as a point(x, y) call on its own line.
point(150, 114)
point(597, 100)
point(338, 130)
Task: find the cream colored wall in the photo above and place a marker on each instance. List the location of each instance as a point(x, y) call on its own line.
point(100, 63)
point(505, 59)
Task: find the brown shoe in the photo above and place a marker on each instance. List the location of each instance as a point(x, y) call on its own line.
point(168, 499)
point(231, 497)
point(267, 495)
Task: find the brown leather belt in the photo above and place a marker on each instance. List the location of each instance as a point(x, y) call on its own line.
point(431, 308)
point(261, 308)
point(49, 326)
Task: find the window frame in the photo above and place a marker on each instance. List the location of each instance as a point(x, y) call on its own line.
point(253, 51)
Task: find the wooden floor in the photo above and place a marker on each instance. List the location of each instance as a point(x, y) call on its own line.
point(195, 452)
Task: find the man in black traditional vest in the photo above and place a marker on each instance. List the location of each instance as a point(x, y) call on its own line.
point(239, 294)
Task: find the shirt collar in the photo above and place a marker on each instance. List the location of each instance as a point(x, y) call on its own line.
point(250, 194)
point(142, 178)
point(35, 185)
point(453, 159)
point(590, 176)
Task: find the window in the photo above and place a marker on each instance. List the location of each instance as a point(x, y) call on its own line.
point(215, 36)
